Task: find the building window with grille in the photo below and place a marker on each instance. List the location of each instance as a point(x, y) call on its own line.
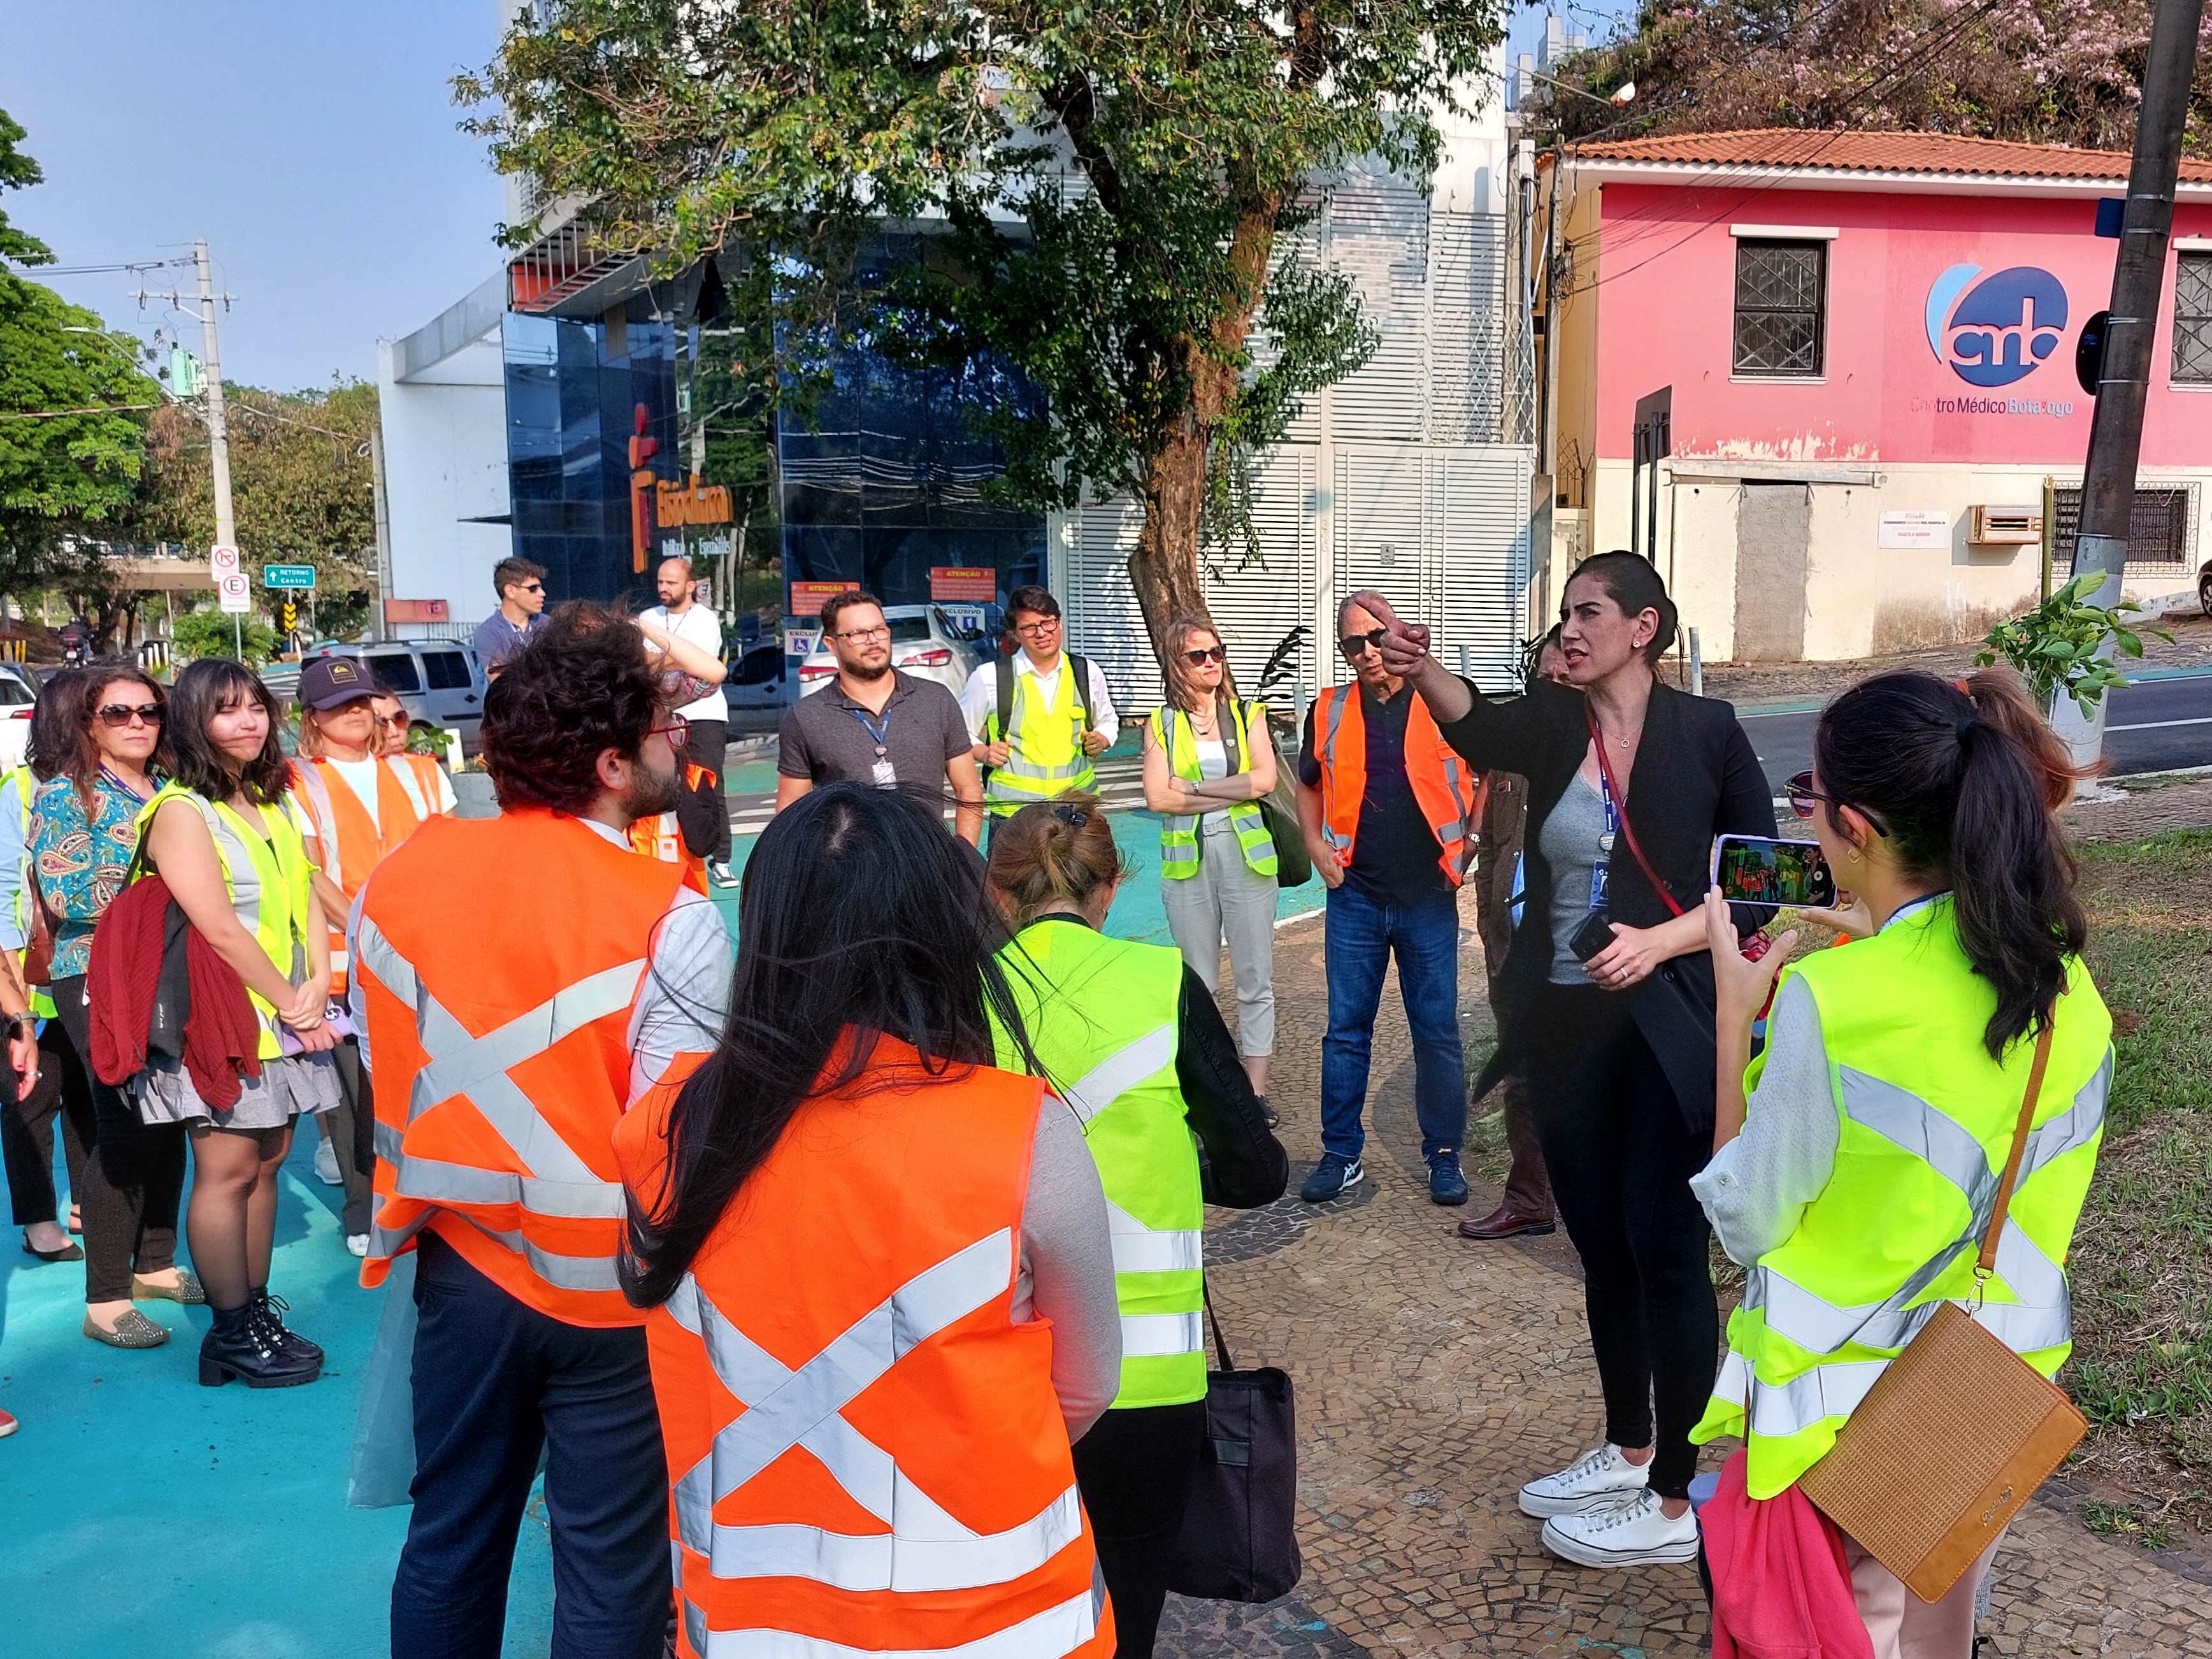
point(1780, 307)
point(2158, 529)
point(2192, 319)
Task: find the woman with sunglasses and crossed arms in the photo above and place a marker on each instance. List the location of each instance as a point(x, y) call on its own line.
point(1208, 762)
point(84, 831)
point(1609, 988)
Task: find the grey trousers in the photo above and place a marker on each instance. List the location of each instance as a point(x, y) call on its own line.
point(1225, 900)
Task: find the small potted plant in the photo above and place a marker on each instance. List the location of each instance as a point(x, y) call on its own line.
point(2056, 648)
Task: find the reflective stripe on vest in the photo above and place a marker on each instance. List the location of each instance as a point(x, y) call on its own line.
point(1803, 1348)
point(1044, 745)
point(926, 1549)
point(26, 788)
point(1056, 1631)
point(1442, 783)
point(271, 901)
point(1179, 832)
point(347, 860)
point(1110, 1007)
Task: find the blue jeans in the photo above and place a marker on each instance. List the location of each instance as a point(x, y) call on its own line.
point(1362, 935)
point(495, 1384)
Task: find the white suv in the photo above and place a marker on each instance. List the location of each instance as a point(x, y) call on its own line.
point(925, 643)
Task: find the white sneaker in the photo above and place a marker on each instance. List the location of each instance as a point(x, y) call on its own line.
point(1634, 1533)
point(1596, 1480)
point(357, 1243)
point(326, 1163)
point(719, 872)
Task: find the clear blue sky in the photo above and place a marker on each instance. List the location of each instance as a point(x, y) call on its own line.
point(313, 144)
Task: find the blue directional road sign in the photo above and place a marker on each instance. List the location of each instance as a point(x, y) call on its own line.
point(287, 575)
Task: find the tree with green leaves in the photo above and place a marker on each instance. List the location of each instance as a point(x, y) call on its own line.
point(73, 408)
point(1122, 181)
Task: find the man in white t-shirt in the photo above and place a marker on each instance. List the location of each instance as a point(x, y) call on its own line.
point(709, 717)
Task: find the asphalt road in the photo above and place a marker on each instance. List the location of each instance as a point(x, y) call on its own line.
point(2157, 725)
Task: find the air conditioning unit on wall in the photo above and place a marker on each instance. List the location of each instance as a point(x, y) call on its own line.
point(1998, 526)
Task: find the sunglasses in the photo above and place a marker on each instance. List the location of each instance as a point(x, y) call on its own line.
point(1353, 644)
point(1802, 796)
point(122, 714)
point(1199, 656)
point(530, 587)
point(392, 720)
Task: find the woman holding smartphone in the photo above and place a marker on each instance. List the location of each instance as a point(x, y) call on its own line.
point(1610, 991)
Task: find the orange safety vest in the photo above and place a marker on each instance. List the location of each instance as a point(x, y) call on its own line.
point(865, 1452)
point(660, 836)
point(1442, 781)
point(502, 1058)
point(348, 844)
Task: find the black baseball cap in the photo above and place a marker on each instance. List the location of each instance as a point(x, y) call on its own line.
point(332, 682)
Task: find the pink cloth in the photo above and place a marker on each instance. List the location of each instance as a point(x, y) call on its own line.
point(1781, 1588)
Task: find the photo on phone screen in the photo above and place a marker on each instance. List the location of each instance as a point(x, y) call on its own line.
point(1756, 870)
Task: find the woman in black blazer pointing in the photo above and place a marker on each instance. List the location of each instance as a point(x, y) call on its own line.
point(1607, 999)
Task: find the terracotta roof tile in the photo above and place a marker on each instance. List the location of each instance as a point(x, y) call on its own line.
point(1853, 151)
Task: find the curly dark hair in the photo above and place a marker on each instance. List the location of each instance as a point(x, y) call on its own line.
point(204, 690)
point(70, 744)
point(580, 686)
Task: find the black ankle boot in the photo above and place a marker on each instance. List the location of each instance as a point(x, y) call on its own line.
point(269, 1310)
point(239, 1344)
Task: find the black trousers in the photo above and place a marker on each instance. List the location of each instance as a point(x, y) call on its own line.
point(26, 1129)
point(707, 745)
point(496, 1382)
point(1134, 1470)
point(132, 1181)
point(1620, 1158)
point(350, 1127)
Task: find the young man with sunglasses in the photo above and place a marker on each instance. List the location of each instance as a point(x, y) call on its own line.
point(1384, 804)
point(876, 726)
point(520, 585)
point(1034, 726)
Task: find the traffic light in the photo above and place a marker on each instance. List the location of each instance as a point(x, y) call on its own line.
point(287, 615)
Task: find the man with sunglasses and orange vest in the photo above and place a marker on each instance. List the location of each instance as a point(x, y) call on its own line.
point(354, 804)
point(1384, 804)
point(510, 1036)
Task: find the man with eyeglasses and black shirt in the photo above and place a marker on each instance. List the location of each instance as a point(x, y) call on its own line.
point(520, 585)
point(876, 726)
point(1384, 801)
point(1034, 726)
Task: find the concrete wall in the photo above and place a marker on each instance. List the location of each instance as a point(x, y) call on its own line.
point(445, 466)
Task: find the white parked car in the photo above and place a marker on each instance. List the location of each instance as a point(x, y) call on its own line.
point(925, 642)
point(17, 695)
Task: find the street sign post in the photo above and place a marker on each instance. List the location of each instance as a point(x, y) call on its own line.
point(234, 593)
point(287, 575)
point(222, 560)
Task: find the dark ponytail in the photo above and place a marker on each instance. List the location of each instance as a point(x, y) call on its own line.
point(1964, 777)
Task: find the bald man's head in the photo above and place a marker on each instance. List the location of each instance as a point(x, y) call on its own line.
point(675, 583)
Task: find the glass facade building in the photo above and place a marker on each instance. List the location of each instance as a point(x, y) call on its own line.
point(577, 402)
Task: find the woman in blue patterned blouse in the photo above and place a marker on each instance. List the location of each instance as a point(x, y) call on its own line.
point(83, 833)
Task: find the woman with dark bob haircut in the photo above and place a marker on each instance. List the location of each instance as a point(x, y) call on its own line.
point(234, 861)
point(1607, 999)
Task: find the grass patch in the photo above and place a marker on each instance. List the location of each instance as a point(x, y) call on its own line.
point(2141, 1263)
point(2148, 1528)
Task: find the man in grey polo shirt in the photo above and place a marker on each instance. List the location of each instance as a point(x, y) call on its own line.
point(875, 725)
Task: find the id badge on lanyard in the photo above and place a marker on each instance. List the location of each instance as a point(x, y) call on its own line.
point(1602, 870)
point(883, 776)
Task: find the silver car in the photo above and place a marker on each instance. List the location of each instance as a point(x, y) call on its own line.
point(439, 681)
point(925, 642)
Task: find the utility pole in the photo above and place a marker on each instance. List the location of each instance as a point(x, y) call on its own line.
point(226, 523)
point(2108, 481)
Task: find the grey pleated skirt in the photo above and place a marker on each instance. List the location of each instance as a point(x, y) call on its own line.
point(294, 1086)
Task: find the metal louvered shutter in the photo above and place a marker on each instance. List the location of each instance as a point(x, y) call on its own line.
point(1255, 604)
point(1485, 556)
point(1378, 236)
point(1385, 517)
point(1104, 622)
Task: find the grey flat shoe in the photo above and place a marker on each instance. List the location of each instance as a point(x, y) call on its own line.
point(133, 1330)
point(187, 1290)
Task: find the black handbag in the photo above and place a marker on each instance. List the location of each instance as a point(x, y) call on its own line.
point(1239, 1541)
point(1279, 809)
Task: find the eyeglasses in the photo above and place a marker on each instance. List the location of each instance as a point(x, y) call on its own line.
point(398, 720)
point(677, 731)
point(1199, 656)
point(122, 714)
point(862, 635)
point(1801, 795)
point(1038, 629)
point(1353, 644)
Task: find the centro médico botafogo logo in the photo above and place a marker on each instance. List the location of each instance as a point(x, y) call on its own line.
point(1998, 329)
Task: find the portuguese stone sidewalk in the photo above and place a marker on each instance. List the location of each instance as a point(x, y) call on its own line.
point(1434, 1375)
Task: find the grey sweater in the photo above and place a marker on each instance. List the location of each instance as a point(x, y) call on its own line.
point(1066, 1273)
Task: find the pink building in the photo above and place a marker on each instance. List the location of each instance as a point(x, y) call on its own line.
point(1822, 378)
